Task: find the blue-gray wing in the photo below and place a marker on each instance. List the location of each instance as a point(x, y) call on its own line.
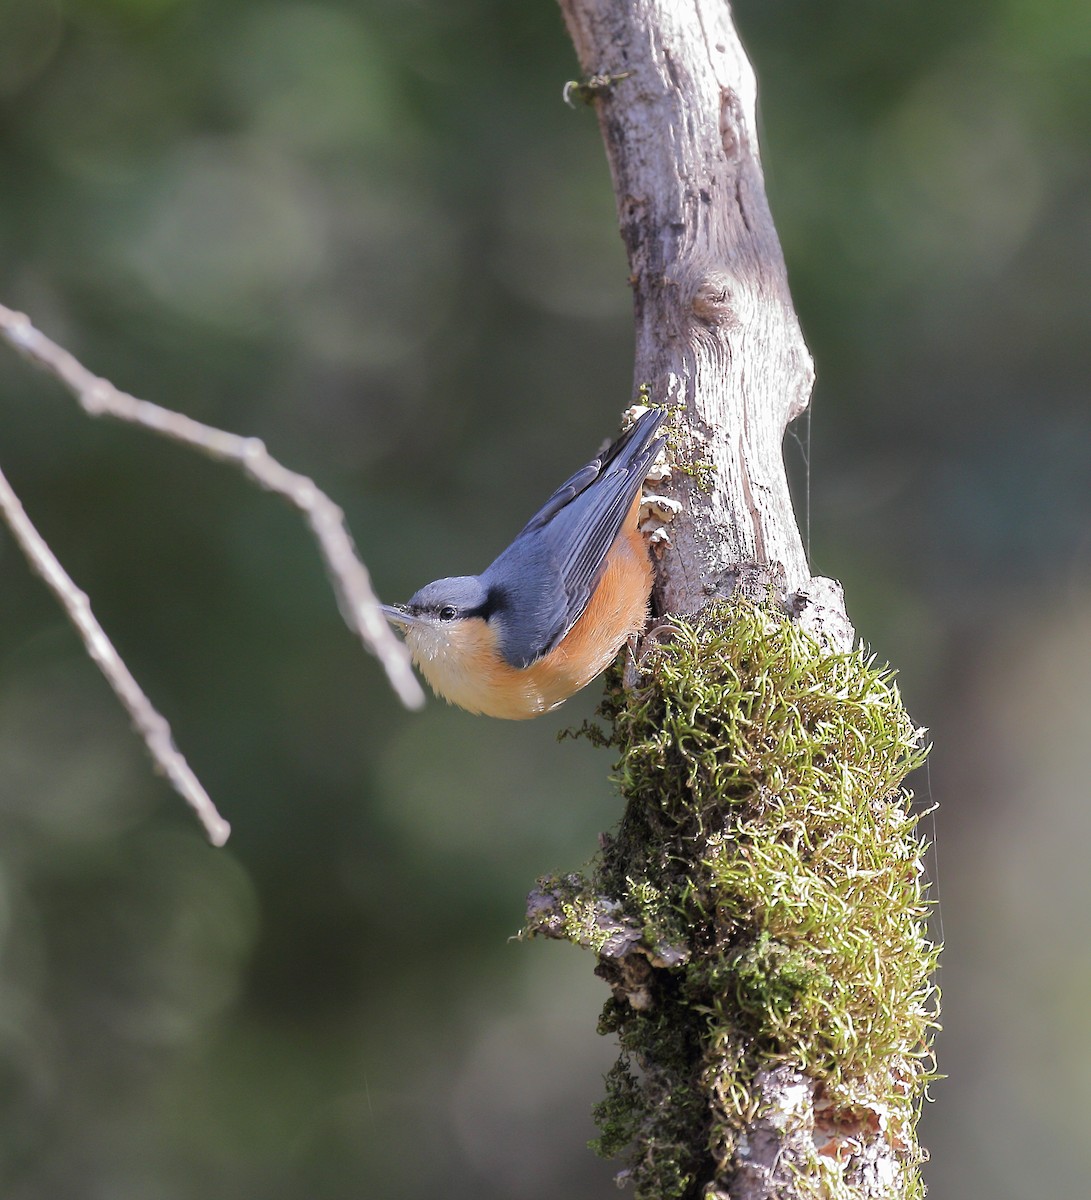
point(549, 573)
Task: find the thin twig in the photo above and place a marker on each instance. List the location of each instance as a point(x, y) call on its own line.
point(348, 575)
point(152, 727)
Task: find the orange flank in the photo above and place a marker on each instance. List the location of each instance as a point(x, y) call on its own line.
point(469, 672)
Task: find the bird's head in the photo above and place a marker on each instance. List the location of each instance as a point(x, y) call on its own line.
point(445, 619)
point(449, 633)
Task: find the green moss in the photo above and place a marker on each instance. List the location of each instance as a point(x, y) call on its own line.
point(768, 877)
point(771, 980)
point(699, 470)
point(661, 1115)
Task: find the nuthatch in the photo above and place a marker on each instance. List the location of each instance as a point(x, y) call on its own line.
point(554, 609)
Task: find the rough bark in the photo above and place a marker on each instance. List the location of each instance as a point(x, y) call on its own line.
point(717, 334)
point(715, 326)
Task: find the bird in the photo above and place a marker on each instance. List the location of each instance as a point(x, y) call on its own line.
point(554, 608)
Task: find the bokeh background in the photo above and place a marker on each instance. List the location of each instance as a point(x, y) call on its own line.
point(369, 232)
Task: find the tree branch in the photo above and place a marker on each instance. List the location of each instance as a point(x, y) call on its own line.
point(715, 327)
point(151, 726)
point(347, 573)
point(760, 912)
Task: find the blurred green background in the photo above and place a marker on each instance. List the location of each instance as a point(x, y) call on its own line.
point(370, 232)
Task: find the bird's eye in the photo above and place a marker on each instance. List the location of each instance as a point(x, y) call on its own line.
point(448, 612)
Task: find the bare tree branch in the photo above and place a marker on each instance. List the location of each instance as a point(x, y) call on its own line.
point(715, 327)
point(152, 727)
point(348, 575)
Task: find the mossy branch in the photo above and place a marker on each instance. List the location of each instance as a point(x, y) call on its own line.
point(760, 918)
point(760, 912)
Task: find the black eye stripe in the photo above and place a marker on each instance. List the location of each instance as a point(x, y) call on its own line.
point(449, 612)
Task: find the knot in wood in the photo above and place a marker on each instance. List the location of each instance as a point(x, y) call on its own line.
point(713, 302)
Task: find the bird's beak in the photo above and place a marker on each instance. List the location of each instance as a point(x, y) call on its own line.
point(398, 616)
